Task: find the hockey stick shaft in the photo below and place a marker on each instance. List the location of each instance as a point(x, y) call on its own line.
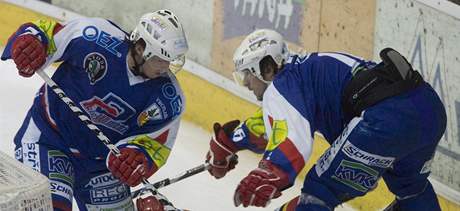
point(100, 135)
point(182, 176)
point(85, 119)
point(168, 181)
point(82, 116)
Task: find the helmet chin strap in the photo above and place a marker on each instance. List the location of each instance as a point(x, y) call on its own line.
point(263, 80)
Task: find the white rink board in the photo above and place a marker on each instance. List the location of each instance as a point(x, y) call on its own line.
point(196, 17)
point(429, 37)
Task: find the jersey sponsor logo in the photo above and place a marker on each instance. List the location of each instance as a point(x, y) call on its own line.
point(170, 93)
point(156, 111)
point(110, 111)
point(61, 189)
point(126, 204)
point(31, 155)
point(365, 157)
point(326, 159)
point(95, 65)
point(59, 166)
point(103, 39)
point(102, 180)
point(109, 194)
point(356, 175)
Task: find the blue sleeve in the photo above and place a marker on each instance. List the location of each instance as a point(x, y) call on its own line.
point(251, 134)
point(27, 28)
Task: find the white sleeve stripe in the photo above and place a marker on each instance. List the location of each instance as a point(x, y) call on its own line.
point(173, 128)
point(62, 40)
point(326, 159)
point(74, 29)
point(345, 59)
point(298, 127)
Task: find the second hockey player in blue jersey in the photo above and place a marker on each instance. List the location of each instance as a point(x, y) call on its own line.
point(122, 82)
point(382, 121)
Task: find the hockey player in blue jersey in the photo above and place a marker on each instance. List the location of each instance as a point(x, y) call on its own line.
point(123, 83)
point(382, 121)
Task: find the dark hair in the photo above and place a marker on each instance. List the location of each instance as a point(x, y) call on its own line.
point(132, 43)
point(267, 63)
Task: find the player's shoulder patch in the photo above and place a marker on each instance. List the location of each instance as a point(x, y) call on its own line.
point(95, 64)
point(157, 111)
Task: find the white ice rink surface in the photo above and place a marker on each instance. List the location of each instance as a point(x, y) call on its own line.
point(199, 192)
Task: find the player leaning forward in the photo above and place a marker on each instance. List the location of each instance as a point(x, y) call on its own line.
point(122, 82)
point(382, 121)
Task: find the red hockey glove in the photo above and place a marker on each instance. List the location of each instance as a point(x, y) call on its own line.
point(261, 185)
point(221, 155)
point(131, 166)
point(156, 202)
point(29, 54)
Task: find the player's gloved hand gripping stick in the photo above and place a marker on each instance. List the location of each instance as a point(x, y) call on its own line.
point(100, 135)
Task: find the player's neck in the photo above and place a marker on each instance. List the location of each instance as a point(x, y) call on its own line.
point(133, 63)
point(130, 61)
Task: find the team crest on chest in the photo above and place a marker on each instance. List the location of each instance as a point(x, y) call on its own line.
point(95, 65)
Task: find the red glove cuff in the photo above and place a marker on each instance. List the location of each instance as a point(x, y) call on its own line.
point(131, 166)
point(223, 133)
point(221, 155)
point(261, 185)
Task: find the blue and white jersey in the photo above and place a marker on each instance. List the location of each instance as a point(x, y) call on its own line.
point(94, 73)
point(305, 97)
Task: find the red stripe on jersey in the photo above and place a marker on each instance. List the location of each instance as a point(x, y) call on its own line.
point(45, 105)
point(292, 154)
point(57, 28)
point(270, 120)
point(162, 138)
point(292, 204)
point(259, 142)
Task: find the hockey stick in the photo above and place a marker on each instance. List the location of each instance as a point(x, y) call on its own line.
point(100, 135)
point(85, 119)
point(179, 177)
point(82, 116)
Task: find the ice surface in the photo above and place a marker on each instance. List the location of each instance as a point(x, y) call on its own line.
point(199, 192)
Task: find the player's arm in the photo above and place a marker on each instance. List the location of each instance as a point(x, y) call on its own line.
point(232, 137)
point(289, 145)
point(251, 134)
point(142, 155)
point(38, 44)
point(30, 45)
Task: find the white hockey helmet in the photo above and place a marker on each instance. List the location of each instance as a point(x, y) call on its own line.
point(255, 47)
point(164, 37)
